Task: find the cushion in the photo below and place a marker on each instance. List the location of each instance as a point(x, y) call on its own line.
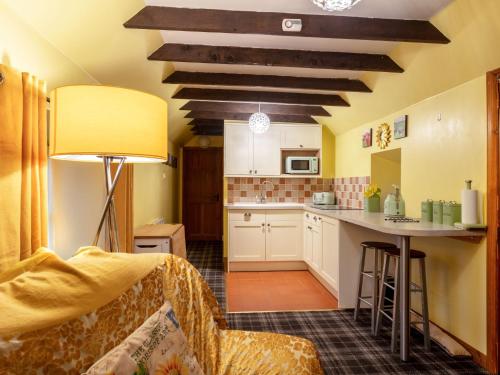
point(157, 347)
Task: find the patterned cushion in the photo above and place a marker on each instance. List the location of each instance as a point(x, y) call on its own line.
point(157, 347)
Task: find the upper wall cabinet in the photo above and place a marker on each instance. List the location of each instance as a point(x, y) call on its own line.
point(246, 153)
point(301, 137)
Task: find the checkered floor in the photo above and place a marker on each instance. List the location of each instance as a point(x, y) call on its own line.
point(345, 346)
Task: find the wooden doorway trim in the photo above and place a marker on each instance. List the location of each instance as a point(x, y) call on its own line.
point(493, 192)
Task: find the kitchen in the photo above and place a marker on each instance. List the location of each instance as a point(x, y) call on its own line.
point(444, 144)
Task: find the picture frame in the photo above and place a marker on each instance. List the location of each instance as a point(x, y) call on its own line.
point(401, 127)
point(366, 140)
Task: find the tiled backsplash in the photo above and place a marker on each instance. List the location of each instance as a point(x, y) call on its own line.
point(349, 191)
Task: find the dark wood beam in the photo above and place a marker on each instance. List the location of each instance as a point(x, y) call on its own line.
point(207, 131)
point(267, 23)
point(207, 122)
point(279, 109)
point(196, 53)
point(223, 79)
point(245, 116)
point(260, 97)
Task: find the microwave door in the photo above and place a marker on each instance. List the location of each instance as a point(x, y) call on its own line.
point(300, 166)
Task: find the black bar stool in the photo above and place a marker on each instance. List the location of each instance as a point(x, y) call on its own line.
point(383, 310)
point(378, 248)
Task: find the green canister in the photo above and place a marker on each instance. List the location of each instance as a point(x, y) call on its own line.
point(437, 212)
point(426, 210)
point(452, 213)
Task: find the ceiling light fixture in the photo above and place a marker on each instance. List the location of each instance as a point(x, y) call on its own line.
point(335, 5)
point(259, 122)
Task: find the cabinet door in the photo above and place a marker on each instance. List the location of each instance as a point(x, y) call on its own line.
point(247, 241)
point(267, 153)
point(330, 258)
point(284, 240)
point(316, 247)
point(301, 136)
point(237, 150)
point(308, 242)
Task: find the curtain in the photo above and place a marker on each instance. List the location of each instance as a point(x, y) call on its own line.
point(124, 202)
point(23, 166)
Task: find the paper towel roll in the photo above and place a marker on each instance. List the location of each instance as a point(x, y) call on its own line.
point(470, 213)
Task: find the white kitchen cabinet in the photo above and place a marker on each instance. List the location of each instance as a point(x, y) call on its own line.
point(249, 154)
point(317, 248)
point(266, 153)
point(258, 235)
point(284, 240)
point(308, 243)
point(301, 137)
point(247, 241)
point(238, 152)
point(330, 251)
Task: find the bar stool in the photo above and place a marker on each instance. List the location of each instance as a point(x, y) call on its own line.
point(379, 248)
point(383, 310)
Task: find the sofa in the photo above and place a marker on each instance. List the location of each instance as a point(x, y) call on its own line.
point(62, 316)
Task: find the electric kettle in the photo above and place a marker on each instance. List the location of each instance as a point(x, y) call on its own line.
point(394, 205)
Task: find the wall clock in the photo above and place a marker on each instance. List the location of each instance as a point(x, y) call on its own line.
point(383, 135)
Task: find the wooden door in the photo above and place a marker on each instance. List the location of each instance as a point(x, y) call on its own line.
point(202, 193)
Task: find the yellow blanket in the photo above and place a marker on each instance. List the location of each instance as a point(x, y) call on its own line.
point(45, 290)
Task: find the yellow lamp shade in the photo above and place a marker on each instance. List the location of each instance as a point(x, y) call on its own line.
point(88, 122)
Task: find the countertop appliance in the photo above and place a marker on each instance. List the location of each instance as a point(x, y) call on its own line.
point(324, 198)
point(394, 205)
point(302, 165)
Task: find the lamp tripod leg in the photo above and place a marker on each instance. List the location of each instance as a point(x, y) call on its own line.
point(109, 208)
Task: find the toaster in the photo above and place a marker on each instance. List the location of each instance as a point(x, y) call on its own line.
point(326, 197)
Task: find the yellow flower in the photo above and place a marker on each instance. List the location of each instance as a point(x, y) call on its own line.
point(173, 366)
point(372, 191)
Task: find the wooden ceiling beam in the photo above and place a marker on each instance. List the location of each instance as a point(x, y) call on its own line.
point(245, 116)
point(196, 53)
point(224, 79)
point(212, 123)
point(269, 23)
point(260, 97)
point(234, 107)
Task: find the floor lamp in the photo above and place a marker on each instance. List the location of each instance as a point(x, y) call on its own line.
point(107, 125)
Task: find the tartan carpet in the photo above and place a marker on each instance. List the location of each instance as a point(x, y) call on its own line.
point(344, 346)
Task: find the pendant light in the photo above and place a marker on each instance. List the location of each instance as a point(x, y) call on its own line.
point(335, 5)
point(259, 122)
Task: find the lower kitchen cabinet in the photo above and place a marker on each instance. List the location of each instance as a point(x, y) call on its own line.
point(330, 251)
point(258, 235)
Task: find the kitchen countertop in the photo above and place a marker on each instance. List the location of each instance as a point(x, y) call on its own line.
point(371, 220)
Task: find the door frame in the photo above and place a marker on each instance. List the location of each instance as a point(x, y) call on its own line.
point(186, 150)
point(493, 199)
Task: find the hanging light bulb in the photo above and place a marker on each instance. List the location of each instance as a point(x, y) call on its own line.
point(335, 5)
point(259, 122)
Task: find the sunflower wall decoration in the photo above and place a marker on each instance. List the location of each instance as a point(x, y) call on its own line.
point(383, 135)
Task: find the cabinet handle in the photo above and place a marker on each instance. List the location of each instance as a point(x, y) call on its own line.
point(309, 227)
point(307, 215)
point(315, 218)
point(255, 171)
point(250, 171)
point(301, 145)
point(268, 227)
point(319, 218)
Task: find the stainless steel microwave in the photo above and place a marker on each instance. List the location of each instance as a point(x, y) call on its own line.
point(302, 165)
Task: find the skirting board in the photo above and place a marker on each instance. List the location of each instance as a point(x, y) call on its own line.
point(268, 266)
point(324, 283)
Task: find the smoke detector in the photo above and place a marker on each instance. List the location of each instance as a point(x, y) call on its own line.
point(293, 25)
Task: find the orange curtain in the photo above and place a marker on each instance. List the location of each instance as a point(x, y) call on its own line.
point(23, 166)
point(124, 205)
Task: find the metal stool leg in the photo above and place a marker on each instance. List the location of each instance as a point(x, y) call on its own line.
point(375, 288)
point(395, 309)
point(360, 283)
point(425, 307)
point(381, 300)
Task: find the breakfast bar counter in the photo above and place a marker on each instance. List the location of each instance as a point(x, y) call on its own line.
point(403, 231)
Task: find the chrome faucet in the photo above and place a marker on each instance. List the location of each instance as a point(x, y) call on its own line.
point(262, 197)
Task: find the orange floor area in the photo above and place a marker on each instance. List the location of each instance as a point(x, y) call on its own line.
point(276, 291)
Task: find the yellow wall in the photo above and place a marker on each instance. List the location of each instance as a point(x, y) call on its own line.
point(436, 158)
point(215, 141)
point(328, 153)
point(386, 171)
point(156, 191)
